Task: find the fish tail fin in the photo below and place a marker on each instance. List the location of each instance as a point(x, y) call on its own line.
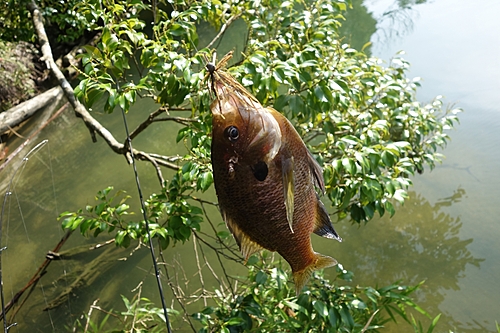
point(301, 277)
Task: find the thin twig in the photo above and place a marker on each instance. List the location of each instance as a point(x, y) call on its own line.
point(176, 295)
point(157, 168)
point(138, 295)
point(369, 321)
point(89, 314)
point(98, 246)
point(217, 237)
point(213, 203)
point(237, 259)
point(221, 283)
point(223, 29)
point(166, 158)
point(195, 241)
point(15, 132)
point(217, 253)
point(142, 126)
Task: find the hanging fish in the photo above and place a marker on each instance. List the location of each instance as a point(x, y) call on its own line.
point(265, 179)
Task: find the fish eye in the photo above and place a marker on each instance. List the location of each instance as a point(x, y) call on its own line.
point(232, 133)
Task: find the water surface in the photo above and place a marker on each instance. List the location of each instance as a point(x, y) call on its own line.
point(446, 234)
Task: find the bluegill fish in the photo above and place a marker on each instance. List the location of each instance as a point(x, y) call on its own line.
point(265, 180)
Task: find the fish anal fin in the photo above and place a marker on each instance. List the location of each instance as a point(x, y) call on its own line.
point(249, 247)
point(246, 245)
point(317, 172)
point(322, 224)
point(301, 277)
point(287, 166)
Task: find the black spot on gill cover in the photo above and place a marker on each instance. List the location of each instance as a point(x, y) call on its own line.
point(260, 170)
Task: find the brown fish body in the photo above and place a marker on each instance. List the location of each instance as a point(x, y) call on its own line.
point(264, 178)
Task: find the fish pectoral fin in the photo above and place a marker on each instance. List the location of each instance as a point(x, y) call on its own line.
point(288, 187)
point(316, 172)
point(301, 277)
point(322, 224)
point(246, 245)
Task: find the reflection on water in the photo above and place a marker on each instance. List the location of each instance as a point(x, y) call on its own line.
point(385, 22)
point(420, 243)
point(358, 27)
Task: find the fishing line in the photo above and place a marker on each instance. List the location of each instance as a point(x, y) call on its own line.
point(47, 305)
point(22, 216)
point(49, 166)
point(7, 194)
point(143, 207)
point(59, 229)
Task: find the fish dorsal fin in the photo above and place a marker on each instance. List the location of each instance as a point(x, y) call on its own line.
point(316, 171)
point(246, 245)
point(287, 167)
point(322, 224)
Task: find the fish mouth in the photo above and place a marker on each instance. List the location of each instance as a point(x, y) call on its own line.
point(230, 95)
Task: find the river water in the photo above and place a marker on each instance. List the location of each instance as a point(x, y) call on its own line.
point(446, 234)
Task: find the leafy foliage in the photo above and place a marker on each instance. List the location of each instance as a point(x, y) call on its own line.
point(63, 20)
point(268, 304)
point(361, 119)
point(171, 216)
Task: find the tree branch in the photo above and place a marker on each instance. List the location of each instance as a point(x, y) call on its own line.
point(92, 124)
point(153, 118)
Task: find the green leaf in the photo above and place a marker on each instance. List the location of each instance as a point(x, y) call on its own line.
point(400, 195)
point(296, 104)
point(260, 278)
point(390, 208)
point(206, 180)
point(333, 316)
point(388, 158)
point(346, 317)
point(320, 308)
point(177, 30)
point(234, 321)
point(279, 74)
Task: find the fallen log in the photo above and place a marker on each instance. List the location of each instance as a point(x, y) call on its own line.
point(11, 156)
point(16, 115)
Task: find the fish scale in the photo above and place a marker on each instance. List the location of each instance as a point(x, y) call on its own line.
point(264, 178)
